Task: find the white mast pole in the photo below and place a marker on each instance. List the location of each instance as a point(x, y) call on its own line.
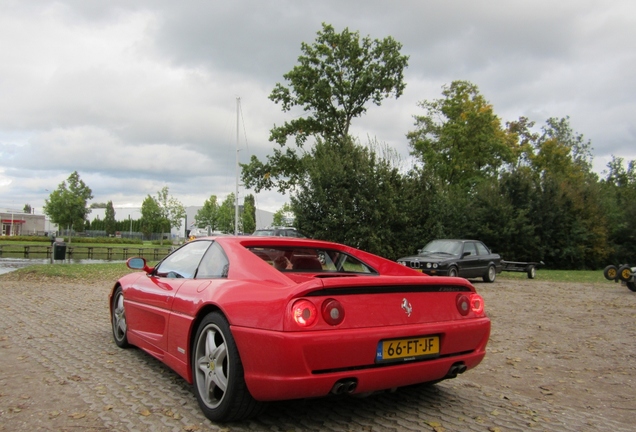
point(236, 206)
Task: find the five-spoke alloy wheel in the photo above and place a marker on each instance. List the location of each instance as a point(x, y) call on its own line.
point(118, 319)
point(217, 372)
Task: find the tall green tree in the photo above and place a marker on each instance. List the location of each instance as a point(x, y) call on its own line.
point(569, 213)
point(208, 215)
point(248, 216)
point(619, 206)
point(67, 205)
point(172, 211)
point(335, 80)
point(459, 139)
point(352, 196)
point(27, 208)
point(151, 217)
point(226, 214)
point(109, 219)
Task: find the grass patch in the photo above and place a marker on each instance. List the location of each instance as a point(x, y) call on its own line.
point(90, 273)
point(579, 276)
point(76, 273)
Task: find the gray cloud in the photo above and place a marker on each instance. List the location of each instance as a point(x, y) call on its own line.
point(138, 96)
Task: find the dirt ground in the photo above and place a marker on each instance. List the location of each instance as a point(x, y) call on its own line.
point(566, 344)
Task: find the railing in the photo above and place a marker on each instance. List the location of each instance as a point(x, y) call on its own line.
point(89, 252)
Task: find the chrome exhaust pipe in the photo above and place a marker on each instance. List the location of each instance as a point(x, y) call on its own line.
point(456, 369)
point(338, 388)
point(351, 386)
point(452, 372)
point(347, 385)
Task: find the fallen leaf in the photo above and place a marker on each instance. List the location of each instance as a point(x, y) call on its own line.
point(77, 416)
point(145, 413)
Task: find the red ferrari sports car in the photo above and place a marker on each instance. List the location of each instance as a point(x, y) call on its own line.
point(248, 320)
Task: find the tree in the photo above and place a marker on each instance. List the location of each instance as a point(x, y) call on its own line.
point(248, 217)
point(172, 211)
point(109, 219)
point(66, 206)
point(249, 205)
point(352, 196)
point(226, 215)
point(619, 206)
point(208, 215)
point(459, 139)
point(283, 215)
point(151, 217)
point(27, 208)
point(336, 78)
point(568, 214)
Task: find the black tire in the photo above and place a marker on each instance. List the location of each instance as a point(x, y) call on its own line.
point(217, 373)
point(631, 286)
point(452, 272)
point(610, 272)
point(624, 273)
point(491, 275)
point(532, 272)
point(118, 320)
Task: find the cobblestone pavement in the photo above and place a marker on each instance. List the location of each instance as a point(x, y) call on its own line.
point(61, 371)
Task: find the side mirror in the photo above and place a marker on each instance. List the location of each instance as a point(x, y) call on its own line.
point(138, 264)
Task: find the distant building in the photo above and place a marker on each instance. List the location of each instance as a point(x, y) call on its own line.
point(15, 223)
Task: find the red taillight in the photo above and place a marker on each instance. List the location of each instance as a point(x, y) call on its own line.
point(332, 312)
point(473, 302)
point(477, 304)
point(304, 313)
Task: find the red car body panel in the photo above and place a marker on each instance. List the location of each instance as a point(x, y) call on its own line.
point(284, 361)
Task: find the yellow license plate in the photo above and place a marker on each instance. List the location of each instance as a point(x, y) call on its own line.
point(407, 349)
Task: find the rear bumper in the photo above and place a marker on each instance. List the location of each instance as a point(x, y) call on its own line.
point(292, 365)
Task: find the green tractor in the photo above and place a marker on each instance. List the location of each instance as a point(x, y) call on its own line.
point(623, 273)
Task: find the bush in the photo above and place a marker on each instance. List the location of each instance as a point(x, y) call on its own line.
point(43, 239)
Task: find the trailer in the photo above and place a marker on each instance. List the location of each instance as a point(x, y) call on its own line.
point(624, 273)
point(530, 268)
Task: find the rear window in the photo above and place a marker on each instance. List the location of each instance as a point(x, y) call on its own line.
point(311, 260)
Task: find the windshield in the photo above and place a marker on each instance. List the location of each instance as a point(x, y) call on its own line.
point(450, 247)
point(312, 260)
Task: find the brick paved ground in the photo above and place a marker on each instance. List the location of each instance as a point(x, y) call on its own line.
point(61, 371)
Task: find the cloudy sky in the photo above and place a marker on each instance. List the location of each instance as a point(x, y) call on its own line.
point(139, 95)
